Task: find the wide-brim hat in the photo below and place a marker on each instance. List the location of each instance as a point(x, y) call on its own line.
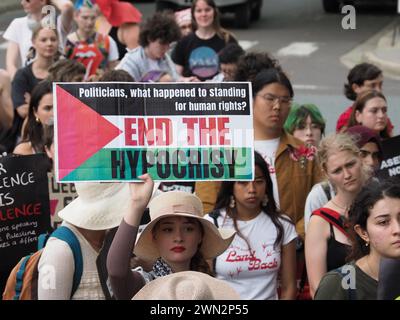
point(118, 13)
point(187, 285)
point(178, 203)
point(99, 206)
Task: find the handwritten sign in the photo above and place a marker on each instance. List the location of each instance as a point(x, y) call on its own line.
point(24, 207)
point(174, 131)
point(60, 195)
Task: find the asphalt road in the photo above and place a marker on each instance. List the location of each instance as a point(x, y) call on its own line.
point(289, 28)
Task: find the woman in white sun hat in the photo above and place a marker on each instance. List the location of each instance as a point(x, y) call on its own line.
point(187, 285)
point(177, 239)
point(98, 208)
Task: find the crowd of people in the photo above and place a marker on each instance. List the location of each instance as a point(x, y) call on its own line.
point(315, 208)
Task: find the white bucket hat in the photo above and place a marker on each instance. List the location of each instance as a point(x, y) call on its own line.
point(99, 206)
point(178, 203)
point(187, 285)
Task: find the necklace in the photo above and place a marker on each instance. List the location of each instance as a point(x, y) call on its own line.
point(373, 275)
point(344, 208)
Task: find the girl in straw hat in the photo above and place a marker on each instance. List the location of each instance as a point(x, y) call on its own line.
point(265, 240)
point(177, 239)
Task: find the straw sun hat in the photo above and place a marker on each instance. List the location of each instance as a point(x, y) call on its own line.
point(178, 203)
point(187, 285)
point(99, 206)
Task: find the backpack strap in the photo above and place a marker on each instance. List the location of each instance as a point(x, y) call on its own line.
point(65, 234)
point(42, 239)
point(20, 277)
point(332, 218)
point(327, 190)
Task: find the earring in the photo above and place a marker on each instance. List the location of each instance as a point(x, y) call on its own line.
point(232, 202)
point(265, 201)
point(366, 244)
point(37, 120)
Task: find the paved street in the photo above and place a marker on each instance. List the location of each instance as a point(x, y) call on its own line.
point(309, 44)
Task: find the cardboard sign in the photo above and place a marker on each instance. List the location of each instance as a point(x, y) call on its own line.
point(60, 195)
point(24, 206)
point(390, 166)
point(173, 131)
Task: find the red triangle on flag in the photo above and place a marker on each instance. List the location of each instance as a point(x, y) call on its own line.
point(81, 132)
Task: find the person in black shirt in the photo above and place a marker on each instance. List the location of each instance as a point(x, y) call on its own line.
point(196, 55)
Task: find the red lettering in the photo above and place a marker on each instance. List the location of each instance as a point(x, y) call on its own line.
point(256, 265)
point(190, 122)
point(22, 211)
point(163, 125)
point(222, 131)
point(208, 130)
point(37, 209)
point(211, 131)
point(129, 131)
point(146, 131)
point(234, 257)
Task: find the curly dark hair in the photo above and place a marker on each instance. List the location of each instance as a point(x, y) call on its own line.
point(361, 207)
point(359, 74)
point(115, 76)
point(66, 70)
point(252, 63)
point(161, 26)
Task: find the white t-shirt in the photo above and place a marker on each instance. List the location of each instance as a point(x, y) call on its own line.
point(268, 149)
point(19, 32)
point(254, 276)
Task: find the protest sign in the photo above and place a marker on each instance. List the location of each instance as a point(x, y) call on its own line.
point(173, 131)
point(60, 195)
point(390, 166)
point(24, 207)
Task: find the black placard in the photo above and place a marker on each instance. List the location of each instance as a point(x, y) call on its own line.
point(24, 207)
point(390, 166)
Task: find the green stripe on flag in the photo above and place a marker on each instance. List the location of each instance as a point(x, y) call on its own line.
point(167, 164)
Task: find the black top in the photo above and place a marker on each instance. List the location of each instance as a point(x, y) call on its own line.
point(199, 57)
point(337, 252)
point(24, 82)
